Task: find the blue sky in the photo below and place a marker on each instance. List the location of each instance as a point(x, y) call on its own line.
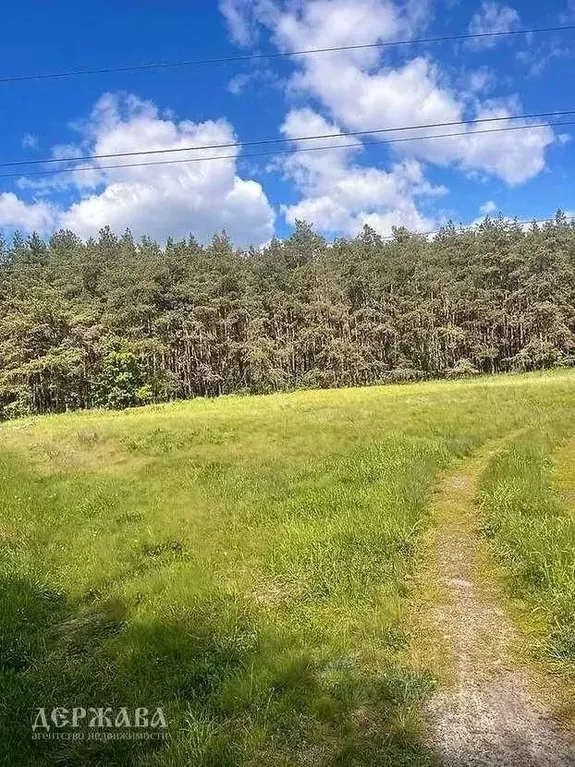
point(420, 184)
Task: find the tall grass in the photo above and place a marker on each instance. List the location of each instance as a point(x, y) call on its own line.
point(531, 526)
point(244, 563)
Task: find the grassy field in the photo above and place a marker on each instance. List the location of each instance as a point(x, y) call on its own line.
point(248, 564)
point(527, 501)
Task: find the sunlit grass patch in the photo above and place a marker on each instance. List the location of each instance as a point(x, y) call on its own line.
point(531, 526)
point(247, 565)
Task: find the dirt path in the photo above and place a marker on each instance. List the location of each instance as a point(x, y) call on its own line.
point(489, 715)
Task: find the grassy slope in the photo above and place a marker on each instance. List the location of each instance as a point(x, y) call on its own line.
point(244, 562)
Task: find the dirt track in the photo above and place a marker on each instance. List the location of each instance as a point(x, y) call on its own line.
point(489, 716)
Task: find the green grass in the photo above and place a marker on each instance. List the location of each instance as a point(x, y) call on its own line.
point(529, 520)
point(246, 563)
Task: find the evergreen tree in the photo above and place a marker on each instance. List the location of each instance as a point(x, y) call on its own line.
point(113, 322)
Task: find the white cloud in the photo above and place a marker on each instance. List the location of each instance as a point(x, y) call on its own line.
point(330, 23)
point(238, 83)
point(156, 200)
point(568, 15)
point(17, 214)
point(256, 78)
point(235, 13)
point(483, 79)
point(243, 16)
point(537, 58)
point(515, 156)
point(361, 91)
point(339, 196)
point(89, 179)
point(29, 141)
point(492, 210)
point(492, 17)
point(488, 207)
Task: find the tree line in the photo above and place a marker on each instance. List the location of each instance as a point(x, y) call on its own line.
point(113, 322)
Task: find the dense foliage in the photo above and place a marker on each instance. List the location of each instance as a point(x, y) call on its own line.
point(112, 322)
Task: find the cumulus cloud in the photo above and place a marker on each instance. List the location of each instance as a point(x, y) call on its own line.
point(153, 199)
point(235, 13)
point(515, 156)
point(338, 195)
point(244, 16)
point(492, 18)
point(362, 91)
point(17, 214)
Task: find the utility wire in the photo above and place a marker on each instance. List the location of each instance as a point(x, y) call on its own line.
point(306, 52)
point(78, 169)
point(260, 142)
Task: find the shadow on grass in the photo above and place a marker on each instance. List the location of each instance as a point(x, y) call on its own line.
point(230, 696)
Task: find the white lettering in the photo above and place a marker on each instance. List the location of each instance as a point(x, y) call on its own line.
point(40, 720)
point(60, 717)
point(77, 714)
point(141, 717)
point(101, 717)
point(158, 720)
point(122, 718)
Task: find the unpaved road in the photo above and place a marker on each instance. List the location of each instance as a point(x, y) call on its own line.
point(489, 716)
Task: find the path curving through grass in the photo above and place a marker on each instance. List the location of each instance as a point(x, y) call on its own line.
point(488, 715)
point(251, 564)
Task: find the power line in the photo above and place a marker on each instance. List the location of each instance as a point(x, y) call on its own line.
point(279, 55)
point(269, 153)
point(260, 142)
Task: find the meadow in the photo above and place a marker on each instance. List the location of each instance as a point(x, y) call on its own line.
point(250, 564)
